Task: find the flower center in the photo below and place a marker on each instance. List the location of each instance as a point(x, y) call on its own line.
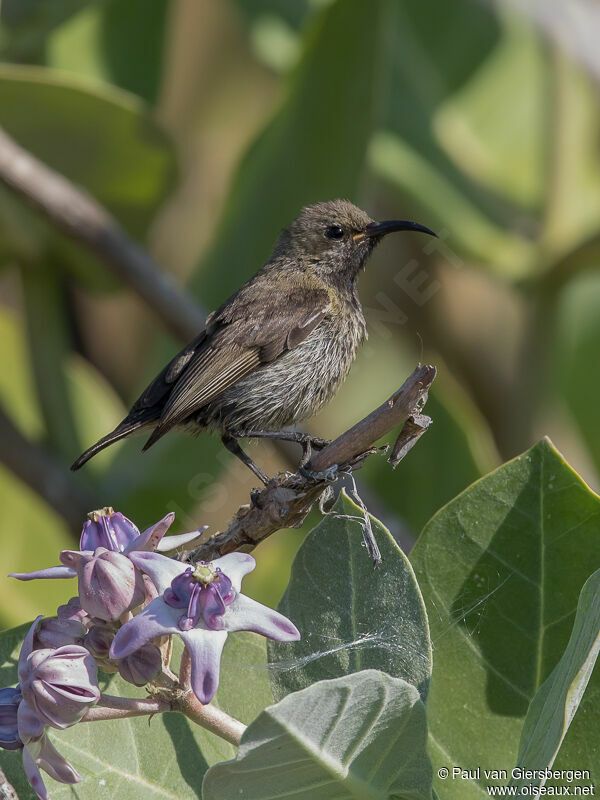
point(205, 592)
point(96, 515)
point(205, 573)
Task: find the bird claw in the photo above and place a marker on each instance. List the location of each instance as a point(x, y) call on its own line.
point(254, 499)
point(330, 474)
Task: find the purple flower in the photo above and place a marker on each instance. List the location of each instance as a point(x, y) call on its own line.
point(111, 530)
point(59, 685)
point(141, 666)
point(202, 604)
point(9, 703)
point(60, 689)
point(98, 641)
point(109, 584)
point(38, 751)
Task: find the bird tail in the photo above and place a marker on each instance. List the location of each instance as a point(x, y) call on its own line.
point(120, 432)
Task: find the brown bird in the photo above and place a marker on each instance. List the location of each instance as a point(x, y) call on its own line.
point(276, 350)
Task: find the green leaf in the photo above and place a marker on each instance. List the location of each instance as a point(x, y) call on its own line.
point(578, 339)
point(435, 154)
point(117, 41)
point(362, 736)
point(25, 25)
point(289, 166)
point(49, 350)
point(501, 568)
point(101, 139)
point(127, 758)
point(351, 616)
point(554, 706)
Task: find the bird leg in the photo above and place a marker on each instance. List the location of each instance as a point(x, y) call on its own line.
point(232, 445)
point(307, 441)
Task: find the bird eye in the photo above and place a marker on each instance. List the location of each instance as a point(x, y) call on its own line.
point(334, 232)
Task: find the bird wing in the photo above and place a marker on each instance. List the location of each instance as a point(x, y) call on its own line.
point(241, 338)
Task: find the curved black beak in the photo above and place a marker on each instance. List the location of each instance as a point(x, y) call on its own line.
point(391, 225)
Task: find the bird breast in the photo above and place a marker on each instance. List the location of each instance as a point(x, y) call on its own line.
point(294, 386)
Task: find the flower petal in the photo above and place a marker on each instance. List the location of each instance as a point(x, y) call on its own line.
point(161, 569)
point(27, 648)
point(49, 572)
point(235, 566)
point(72, 558)
point(54, 764)
point(30, 726)
point(157, 619)
point(108, 528)
point(150, 538)
point(245, 614)
point(204, 648)
point(34, 776)
point(173, 542)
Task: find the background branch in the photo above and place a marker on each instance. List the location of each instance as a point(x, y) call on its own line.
point(43, 473)
point(286, 501)
point(71, 209)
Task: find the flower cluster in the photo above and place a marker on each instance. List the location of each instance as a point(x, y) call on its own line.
point(131, 599)
point(56, 688)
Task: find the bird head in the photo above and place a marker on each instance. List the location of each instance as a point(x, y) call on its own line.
point(334, 239)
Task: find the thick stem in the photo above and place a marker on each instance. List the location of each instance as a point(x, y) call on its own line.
point(123, 707)
point(77, 214)
point(207, 716)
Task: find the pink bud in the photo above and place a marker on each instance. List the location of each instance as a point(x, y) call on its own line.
point(109, 584)
point(59, 685)
point(141, 666)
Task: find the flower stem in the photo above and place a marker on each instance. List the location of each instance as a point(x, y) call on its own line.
point(210, 717)
point(111, 707)
point(207, 716)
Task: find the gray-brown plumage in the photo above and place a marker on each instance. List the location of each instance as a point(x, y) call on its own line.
point(276, 350)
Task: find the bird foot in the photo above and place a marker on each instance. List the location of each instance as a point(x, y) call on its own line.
point(330, 474)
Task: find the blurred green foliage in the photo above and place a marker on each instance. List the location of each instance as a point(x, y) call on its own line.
point(203, 127)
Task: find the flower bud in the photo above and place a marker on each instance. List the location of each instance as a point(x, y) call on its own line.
point(72, 610)
point(141, 666)
point(98, 640)
point(59, 685)
point(9, 703)
point(109, 584)
point(109, 529)
point(55, 632)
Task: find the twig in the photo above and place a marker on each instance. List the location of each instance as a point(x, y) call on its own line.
point(43, 473)
point(111, 707)
point(286, 501)
point(412, 430)
point(76, 213)
point(7, 790)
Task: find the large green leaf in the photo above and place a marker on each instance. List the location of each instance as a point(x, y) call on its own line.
point(117, 41)
point(351, 616)
point(554, 706)
point(501, 568)
point(164, 759)
point(101, 139)
point(292, 163)
point(362, 736)
point(429, 65)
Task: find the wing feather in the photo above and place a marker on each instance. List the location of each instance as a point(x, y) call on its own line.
point(239, 340)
